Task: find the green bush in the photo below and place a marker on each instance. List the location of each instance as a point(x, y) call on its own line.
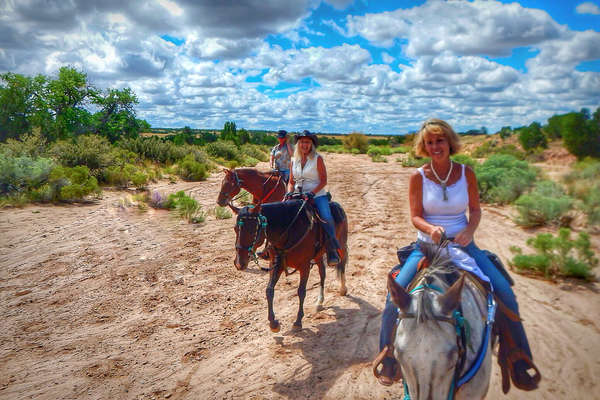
point(547, 203)
point(31, 144)
point(464, 159)
point(191, 170)
point(153, 148)
point(502, 178)
point(255, 151)
point(580, 136)
point(583, 183)
point(185, 206)
point(412, 161)
point(485, 149)
point(93, 151)
point(557, 256)
point(532, 136)
point(357, 141)
point(225, 150)
point(331, 148)
point(222, 213)
point(72, 184)
point(122, 176)
point(19, 174)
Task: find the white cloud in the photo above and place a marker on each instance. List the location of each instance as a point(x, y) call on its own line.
point(588, 8)
point(387, 58)
point(339, 4)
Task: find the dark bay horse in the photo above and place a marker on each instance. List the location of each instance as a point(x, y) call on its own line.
point(296, 237)
point(265, 187)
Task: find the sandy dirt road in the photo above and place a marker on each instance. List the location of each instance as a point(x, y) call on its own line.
point(102, 301)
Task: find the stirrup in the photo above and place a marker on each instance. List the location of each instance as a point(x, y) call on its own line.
point(383, 354)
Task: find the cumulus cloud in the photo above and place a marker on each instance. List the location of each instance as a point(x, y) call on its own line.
point(588, 8)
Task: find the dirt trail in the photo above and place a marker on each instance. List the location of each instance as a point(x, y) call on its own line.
point(102, 301)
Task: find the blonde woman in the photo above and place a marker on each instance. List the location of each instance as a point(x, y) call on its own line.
point(309, 177)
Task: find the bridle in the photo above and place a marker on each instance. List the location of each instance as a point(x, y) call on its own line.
point(462, 329)
point(261, 226)
point(237, 184)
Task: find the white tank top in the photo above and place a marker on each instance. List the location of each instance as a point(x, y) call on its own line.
point(449, 214)
point(307, 178)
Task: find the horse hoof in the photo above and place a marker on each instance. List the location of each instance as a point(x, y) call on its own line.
point(343, 291)
point(275, 327)
point(319, 307)
point(296, 327)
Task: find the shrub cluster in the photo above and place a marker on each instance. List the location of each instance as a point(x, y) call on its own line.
point(357, 141)
point(557, 256)
point(191, 170)
point(583, 183)
point(122, 175)
point(502, 178)
point(185, 206)
point(547, 203)
point(155, 149)
point(93, 151)
point(22, 173)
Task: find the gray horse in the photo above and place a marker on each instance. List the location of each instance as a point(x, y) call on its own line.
point(443, 337)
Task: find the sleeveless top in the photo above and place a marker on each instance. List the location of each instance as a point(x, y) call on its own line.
point(283, 161)
point(449, 214)
point(307, 178)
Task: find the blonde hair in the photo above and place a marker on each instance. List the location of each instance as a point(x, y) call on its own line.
point(297, 156)
point(435, 126)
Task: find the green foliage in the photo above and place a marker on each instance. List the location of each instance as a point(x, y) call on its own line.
point(338, 148)
point(412, 161)
point(532, 136)
point(154, 149)
point(502, 178)
point(580, 136)
point(222, 213)
point(225, 150)
point(116, 118)
point(185, 206)
point(583, 183)
point(29, 144)
point(547, 203)
point(191, 170)
point(72, 184)
point(93, 151)
point(255, 151)
point(357, 141)
point(558, 256)
point(505, 132)
point(244, 198)
point(464, 159)
point(121, 175)
point(20, 174)
point(229, 132)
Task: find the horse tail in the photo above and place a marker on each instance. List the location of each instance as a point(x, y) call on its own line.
point(341, 230)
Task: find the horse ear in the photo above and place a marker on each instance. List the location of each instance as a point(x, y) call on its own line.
point(399, 296)
point(449, 301)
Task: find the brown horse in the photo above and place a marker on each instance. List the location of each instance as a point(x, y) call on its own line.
point(265, 187)
point(296, 237)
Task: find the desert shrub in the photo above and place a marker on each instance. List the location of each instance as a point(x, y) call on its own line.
point(485, 149)
point(557, 256)
point(222, 213)
point(357, 141)
point(255, 151)
point(224, 150)
point(244, 198)
point(122, 175)
point(330, 148)
point(532, 136)
point(139, 180)
point(464, 159)
point(185, 206)
point(581, 136)
point(502, 178)
point(92, 151)
point(583, 183)
point(153, 148)
point(547, 203)
point(191, 170)
point(31, 144)
point(19, 174)
point(248, 161)
point(491, 147)
point(72, 184)
point(412, 161)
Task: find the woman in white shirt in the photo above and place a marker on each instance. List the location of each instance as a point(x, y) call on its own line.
point(309, 177)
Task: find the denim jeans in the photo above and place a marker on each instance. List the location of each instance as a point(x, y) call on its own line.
point(285, 174)
point(322, 204)
point(502, 289)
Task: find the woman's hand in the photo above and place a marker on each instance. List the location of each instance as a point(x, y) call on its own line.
point(436, 234)
point(464, 237)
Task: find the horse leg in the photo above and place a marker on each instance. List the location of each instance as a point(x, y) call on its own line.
point(274, 275)
point(322, 273)
point(301, 295)
point(341, 272)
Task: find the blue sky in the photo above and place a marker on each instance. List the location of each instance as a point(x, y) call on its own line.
point(323, 65)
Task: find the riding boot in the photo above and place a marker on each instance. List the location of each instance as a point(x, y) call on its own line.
point(333, 252)
point(388, 374)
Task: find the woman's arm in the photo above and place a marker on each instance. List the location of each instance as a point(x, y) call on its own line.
point(415, 198)
point(322, 175)
point(465, 236)
point(291, 182)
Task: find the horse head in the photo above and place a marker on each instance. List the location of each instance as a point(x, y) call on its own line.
point(250, 232)
point(230, 186)
point(426, 344)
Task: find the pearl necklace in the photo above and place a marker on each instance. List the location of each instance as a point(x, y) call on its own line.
point(443, 181)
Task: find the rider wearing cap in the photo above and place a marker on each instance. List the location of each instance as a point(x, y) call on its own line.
point(281, 154)
point(309, 177)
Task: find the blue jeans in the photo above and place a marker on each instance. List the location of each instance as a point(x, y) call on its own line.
point(285, 174)
point(322, 204)
point(501, 286)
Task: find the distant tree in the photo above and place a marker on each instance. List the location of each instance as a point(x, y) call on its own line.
point(16, 105)
point(505, 132)
point(484, 130)
point(244, 136)
point(356, 140)
point(586, 113)
point(580, 136)
point(116, 118)
point(187, 131)
point(230, 132)
point(553, 129)
point(532, 137)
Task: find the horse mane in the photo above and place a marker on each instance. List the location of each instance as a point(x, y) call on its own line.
point(440, 271)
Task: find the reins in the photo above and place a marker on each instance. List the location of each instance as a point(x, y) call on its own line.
point(238, 184)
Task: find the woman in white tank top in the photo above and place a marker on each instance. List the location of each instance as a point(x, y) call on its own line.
point(309, 176)
point(440, 193)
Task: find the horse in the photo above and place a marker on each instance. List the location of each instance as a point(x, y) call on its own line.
point(443, 339)
point(296, 237)
point(265, 187)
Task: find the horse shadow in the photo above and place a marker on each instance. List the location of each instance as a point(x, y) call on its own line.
point(350, 340)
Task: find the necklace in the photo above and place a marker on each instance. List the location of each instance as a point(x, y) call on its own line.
point(443, 181)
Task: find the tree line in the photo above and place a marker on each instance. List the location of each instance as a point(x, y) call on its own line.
point(65, 107)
